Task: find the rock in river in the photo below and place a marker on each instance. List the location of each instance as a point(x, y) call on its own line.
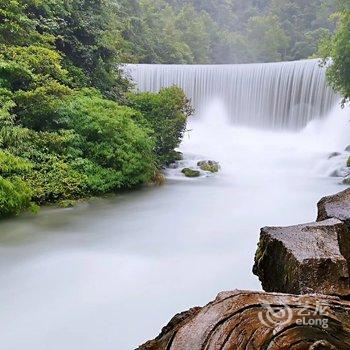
point(333, 155)
point(209, 165)
point(252, 320)
point(303, 259)
point(190, 172)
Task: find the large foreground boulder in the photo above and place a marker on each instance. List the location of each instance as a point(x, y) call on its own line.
point(304, 259)
point(252, 320)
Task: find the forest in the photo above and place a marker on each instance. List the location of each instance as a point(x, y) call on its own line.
point(70, 124)
point(222, 31)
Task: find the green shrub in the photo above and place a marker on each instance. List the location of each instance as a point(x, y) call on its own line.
point(98, 180)
point(14, 76)
point(6, 105)
point(166, 113)
point(38, 109)
point(11, 165)
point(110, 137)
point(53, 179)
point(14, 196)
point(31, 66)
point(63, 142)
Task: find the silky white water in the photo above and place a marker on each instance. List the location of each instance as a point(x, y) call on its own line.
point(109, 274)
point(271, 95)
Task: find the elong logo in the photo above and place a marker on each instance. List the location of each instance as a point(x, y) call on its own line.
point(272, 316)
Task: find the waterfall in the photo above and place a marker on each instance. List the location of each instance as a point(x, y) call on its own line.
point(272, 95)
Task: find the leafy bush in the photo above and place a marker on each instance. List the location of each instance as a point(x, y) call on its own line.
point(110, 136)
point(338, 49)
point(38, 109)
point(166, 113)
point(37, 62)
point(15, 196)
point(98, 180)
point(53, 179)
point(10, 164)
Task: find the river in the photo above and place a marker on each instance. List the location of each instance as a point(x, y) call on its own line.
point(110, 273)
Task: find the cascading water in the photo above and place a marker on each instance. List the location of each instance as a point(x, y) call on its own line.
point(272, 95)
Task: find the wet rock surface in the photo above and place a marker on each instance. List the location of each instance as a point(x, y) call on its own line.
point(336, 206)
point(304, 259)
point(334, 154)
point(165, 337)
point(188, 172)
point(209, 165)
point(253, 320)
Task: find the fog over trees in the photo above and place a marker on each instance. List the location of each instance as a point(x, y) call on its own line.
point(222, 31)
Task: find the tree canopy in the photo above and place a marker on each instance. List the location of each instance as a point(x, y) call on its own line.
point(335, 51)
point(221, 31)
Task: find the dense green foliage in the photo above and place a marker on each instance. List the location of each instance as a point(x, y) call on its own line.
point(165, 113)
point(88, 35)
point(66, 131)
point(336, 53)
point(221, 31)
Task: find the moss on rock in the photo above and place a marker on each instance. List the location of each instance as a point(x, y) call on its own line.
point(209, 165)
point(190, 172)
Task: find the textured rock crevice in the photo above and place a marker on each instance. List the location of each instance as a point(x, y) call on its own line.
point(242, 320)
point(166, 337)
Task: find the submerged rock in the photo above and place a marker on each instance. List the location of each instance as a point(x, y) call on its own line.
point(333, 155)
point(190, 172)
point(175, 165)
point(303, 259)
point(209, 165)
point(253, 320)
point(341, 172)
